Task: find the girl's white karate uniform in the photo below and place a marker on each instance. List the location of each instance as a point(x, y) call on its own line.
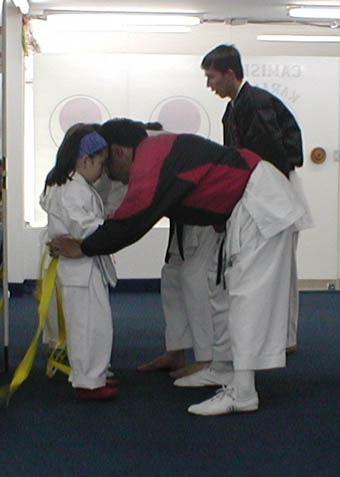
point(76, 209)
point(251, 322)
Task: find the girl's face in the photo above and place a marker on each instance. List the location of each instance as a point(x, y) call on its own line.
point(93, 166)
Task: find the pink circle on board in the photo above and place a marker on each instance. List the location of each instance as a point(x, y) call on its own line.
point(180, 116)
point(79, 110)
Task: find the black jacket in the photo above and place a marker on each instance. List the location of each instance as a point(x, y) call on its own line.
point(259, 121)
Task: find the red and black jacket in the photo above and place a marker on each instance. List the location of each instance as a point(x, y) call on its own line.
point(185, 177)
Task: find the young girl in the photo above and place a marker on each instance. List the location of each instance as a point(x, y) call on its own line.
point(75, 208)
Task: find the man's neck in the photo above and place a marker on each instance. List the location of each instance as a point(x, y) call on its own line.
point(239, 87)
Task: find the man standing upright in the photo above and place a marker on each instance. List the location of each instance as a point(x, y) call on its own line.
point(256, 119)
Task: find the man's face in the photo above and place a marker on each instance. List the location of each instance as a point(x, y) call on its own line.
point(118, 164)
point(221, 84)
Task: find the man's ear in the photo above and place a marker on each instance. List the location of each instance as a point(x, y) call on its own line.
point(231, 73)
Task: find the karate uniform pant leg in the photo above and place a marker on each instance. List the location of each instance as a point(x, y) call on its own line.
point(258, 284)
point(195, 289)
point(185, 296)
point(89, 331)
point(293, 316)
point(177, 330)
point(221, 349)
point(304, 223)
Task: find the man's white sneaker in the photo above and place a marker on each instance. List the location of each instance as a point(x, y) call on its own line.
point(225, 402)
point(205, 377)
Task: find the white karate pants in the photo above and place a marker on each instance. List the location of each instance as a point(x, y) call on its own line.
point(305, 222)
point(251, 324)
point(89, 331)
point(185, 293)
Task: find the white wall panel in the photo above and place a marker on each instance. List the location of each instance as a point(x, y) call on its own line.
point(144, 86)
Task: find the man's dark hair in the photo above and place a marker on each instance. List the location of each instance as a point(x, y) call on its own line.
point(124, 132)
point(223, 58)
point(153, 126)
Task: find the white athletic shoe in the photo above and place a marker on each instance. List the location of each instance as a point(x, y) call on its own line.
point(225, 402)
point(204, 377)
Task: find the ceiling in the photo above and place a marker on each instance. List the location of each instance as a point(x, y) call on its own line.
point(230, 11)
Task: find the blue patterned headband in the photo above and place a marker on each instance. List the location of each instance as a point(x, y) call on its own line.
point(91, 143)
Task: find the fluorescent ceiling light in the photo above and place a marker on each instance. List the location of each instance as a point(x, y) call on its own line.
point(314, 12)
point(151, 28)
point(300, 38)
point(23, 5)
point(41, 29)
point(116, 21)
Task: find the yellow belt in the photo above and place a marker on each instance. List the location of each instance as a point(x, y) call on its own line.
point(23, 370)
point(59, 352)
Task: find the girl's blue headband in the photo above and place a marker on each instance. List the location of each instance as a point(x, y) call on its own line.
point(91, 143)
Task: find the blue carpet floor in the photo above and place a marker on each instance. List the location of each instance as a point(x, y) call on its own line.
point(147, 431)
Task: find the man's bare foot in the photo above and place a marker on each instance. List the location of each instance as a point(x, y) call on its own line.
point(189, 369)
point(170, 360)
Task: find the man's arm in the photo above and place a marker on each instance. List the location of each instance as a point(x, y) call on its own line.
point(155, 188)
point(280, 130)
point(117, 233)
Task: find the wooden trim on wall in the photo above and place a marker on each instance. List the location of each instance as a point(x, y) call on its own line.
point(329, 284)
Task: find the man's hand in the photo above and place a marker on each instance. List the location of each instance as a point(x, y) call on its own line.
point(65, 246)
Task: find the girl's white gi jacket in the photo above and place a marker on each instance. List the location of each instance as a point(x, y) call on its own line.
point(76, 209)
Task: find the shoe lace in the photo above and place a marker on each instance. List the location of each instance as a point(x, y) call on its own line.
point(224, 391)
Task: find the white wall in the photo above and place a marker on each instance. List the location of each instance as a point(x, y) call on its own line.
point(144, 260)
point(13, 143)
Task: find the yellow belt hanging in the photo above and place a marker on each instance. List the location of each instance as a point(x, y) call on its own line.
point(59, 352)
point(22, 371)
